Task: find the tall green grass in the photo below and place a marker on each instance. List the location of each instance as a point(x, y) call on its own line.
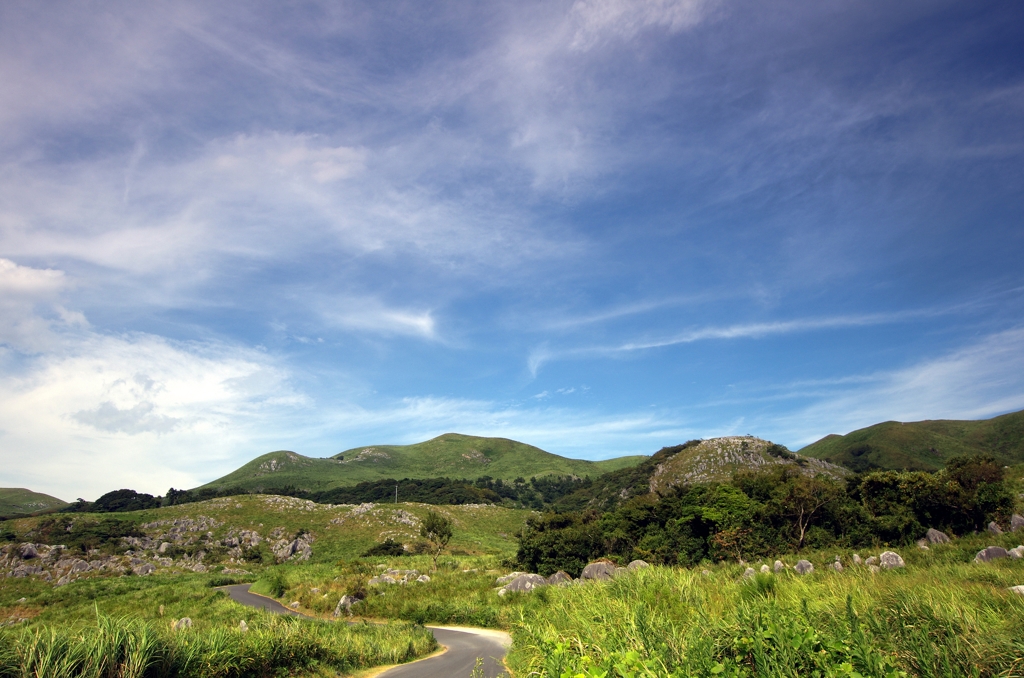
point(127, 648)
point(661, 622)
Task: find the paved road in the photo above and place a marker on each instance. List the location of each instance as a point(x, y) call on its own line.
point(464, 646)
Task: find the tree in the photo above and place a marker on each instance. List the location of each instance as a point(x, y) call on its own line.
point(436, 529)
point(802, 498)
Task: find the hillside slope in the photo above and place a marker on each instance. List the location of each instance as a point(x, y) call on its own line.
point(923, 445)
point(695, 462)
point(18, 500)
point(451, 455)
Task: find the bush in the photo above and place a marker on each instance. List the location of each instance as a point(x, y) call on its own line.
point(389, 547)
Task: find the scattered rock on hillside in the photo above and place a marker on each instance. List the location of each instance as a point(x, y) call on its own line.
point(993, 528)
point(857, 560)
point(765, 569)
point(936, 536)
point(183, 623)
point(837, 565)
point(1017, 552)
point(872, 560)
point(779, 566)
point(346, 604)
point(748, 573)
point(1017, 589)
point(990, 553)
point(297, 549)
point(559, 578)
point(523, 583)
point(637, 565)
point(242, 626)
point(890, 560)
point(508, 577)
point(922, 544)
point(1016, 522)
point(29, 551)
point(803, 567)
point(598, 571)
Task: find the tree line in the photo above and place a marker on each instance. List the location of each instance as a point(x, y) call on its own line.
point(769, 512)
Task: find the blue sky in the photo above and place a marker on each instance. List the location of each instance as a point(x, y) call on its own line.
point(600, 227)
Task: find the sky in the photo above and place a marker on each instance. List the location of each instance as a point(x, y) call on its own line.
point(597, 226)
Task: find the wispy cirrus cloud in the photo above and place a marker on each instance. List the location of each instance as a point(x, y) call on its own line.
point(544, 353)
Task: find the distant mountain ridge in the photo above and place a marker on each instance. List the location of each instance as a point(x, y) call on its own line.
point(923, 445)
point(21, 501)
point(451, 455)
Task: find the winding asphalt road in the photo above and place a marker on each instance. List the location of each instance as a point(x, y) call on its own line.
point(463, 646)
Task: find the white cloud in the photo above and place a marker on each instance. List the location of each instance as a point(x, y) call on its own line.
point(598, 20)
point(30, 308)
point(544, 353)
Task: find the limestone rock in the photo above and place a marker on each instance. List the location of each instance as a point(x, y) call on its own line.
point(524, 583)
point(1016, 522)
point(183, 623)
point(765, 569)
point(779, 566)
point(748, 573)
point(598, 571)
point(857, 560)
point(890, 560)
point(637, 565)
point(1017, 552)
point(922, 544)
point(875, 569)
point(559, 578)
point(991, 553)
point(620, 570)
point(346, 604)
point(872, 560)
point(993, 528)
point(29, 551)
point(936, 536)
point(144, 569)
point(803, 567)
point(242, 626)
point(1017, 589)
point(423, 578)
point(837, 565)
point(508, 577)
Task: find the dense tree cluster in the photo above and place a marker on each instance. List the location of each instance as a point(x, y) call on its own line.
point(536, 493)
point(763, 513)
point(117, 501)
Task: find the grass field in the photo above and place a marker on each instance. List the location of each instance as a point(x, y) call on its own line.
point(448, 456)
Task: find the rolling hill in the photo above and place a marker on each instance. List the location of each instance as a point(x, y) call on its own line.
point(923, 445)
point(451, 455)
point(19, 501)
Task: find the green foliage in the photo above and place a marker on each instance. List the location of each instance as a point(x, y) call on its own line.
point(388, 547)
point(771, 511)
point(118, 501)
point(437, 529)
point(84, 534)
point(129, 648)
point(272, 582)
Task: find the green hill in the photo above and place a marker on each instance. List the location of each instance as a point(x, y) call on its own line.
point(451, 455)
point(698, 461)
point(923, 445)
point(18, 501)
